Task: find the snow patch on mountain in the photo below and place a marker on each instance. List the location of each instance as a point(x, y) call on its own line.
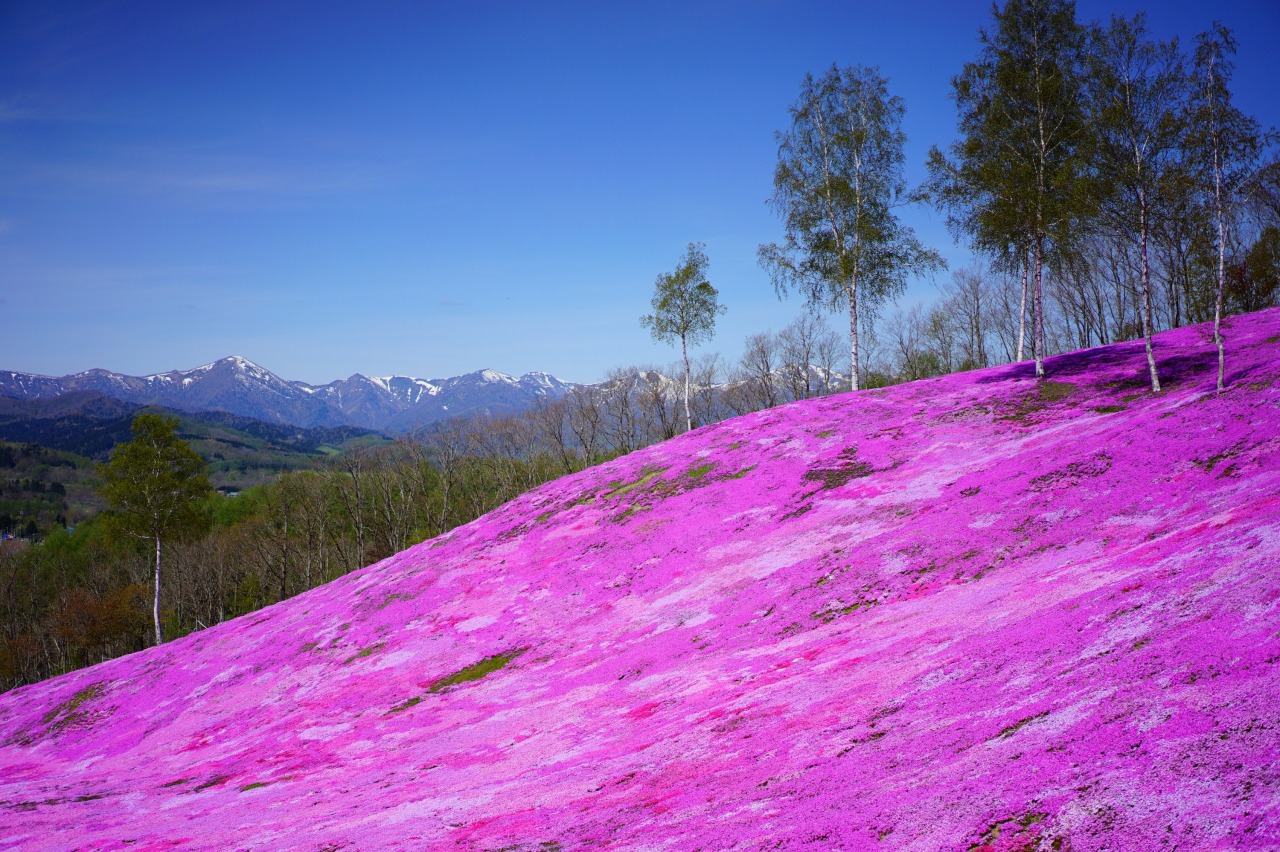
point(240, 386)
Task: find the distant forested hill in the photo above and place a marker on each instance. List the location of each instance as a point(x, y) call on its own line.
point(81, 428)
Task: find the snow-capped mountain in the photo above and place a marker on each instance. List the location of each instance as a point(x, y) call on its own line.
point(239, 386)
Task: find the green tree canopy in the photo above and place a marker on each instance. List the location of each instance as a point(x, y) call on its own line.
point(155, 486)
point(1137, 97)
point(685, 307)
point(1016, 179)
point(1225, 146)
point(838, 179)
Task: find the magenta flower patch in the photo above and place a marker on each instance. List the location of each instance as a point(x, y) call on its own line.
point(978, 612)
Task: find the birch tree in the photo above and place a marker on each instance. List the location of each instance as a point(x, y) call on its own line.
point(685, 307)
point(1138, 88)
point(155, 486)
point(1228, 145)
point(1014, 181)
point(837, 183)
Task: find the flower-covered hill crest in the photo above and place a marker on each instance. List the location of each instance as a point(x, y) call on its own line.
point(979, 612)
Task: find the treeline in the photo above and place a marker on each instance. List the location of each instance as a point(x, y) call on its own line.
point(1106, 177)
point(1113, 174)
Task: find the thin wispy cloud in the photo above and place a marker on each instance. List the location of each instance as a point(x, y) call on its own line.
point(196, 177)
point(17, 111)
point(10, 112)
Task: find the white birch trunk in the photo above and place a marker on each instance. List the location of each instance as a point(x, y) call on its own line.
point(1222, 264)
point(1022, 308)
point(688, 418)
point(155, 604)
point(854, 379)
point(1038, 296)
point(1145, 310)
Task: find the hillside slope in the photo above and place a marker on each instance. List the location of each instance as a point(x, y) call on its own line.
point(977, 612)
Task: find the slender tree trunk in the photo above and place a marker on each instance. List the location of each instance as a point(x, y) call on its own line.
point(688, 418)
point(155, 604)
point(1038, 297)
point(1222, 266)
point(284, 562)
point(854, 379)
point(1146, 293)
point(1022, 307)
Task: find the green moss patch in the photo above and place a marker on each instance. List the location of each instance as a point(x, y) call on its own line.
point(846, 469)
point(1025, 408)
point(1054, 391)
point(475, 671)
point(1019, 725)
point(1209, 463)
point(696, 474)
point(619, 488)
point(73, 713)
point(405, 705)
point(363, 652)
point(1074, 473)
point(834, 611)
point(67, 709)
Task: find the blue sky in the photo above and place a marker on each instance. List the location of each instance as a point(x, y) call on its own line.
point(428, 189)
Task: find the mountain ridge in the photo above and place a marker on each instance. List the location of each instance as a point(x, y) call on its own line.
point(239, 386)
point(982, 611)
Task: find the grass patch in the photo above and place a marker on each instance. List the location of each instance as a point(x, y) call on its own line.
point(71, 713)
point(1208, 464)
point(1073, 473)
point(405, 705)
point(73, 703)
point(1017, 825)
point(363, 652)
point(647, 476)
point(700, 471)
point(959, 414)
point(255, 785)
point(175, 783)
point(1050, 391)
point(215, 781)
point(1047, 393)
point(393, 597)
point(1019, 725)
point(834, 477)
point(846, 469)
point(475, 671)
point(832, 613)
point(1109, 409)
